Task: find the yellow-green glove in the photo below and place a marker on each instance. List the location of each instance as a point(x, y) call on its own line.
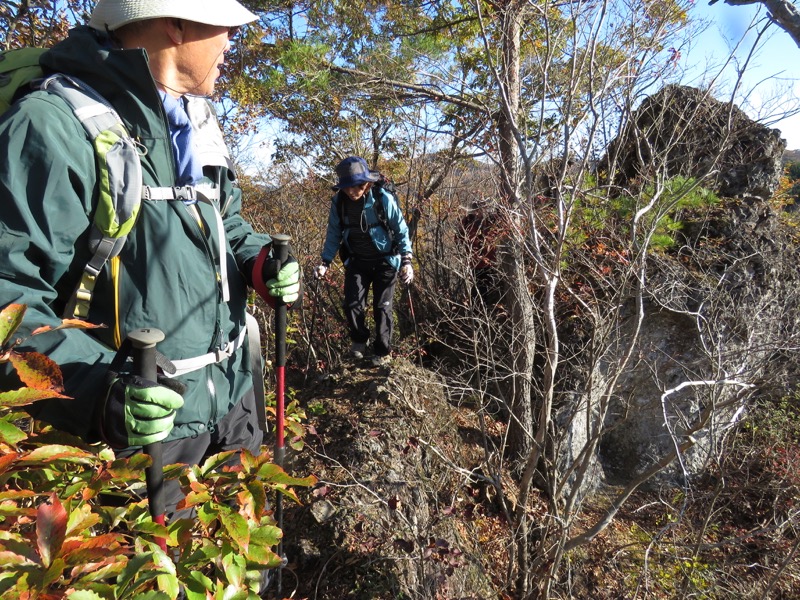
point(138, 412)
point(285, 285)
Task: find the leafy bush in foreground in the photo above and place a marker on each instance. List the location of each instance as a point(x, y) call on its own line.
point(68, 526)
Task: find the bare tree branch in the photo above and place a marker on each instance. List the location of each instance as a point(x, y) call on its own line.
point(782, 12)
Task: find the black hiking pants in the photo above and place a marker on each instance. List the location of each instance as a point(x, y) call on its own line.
point(359, 275)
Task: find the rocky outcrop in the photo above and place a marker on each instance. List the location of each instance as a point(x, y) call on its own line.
point(391, 517)
point(721, 321)
point(684, 131)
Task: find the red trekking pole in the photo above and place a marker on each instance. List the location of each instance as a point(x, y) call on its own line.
point(144, 365)
point(280, 244)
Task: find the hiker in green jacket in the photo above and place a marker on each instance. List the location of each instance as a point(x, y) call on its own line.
point(188, 260)
point(367, 229)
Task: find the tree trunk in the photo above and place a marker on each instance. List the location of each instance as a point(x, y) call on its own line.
point(522, 339)
point(518, 300)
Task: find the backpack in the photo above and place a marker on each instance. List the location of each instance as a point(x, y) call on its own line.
point(119, 166)
point(380, 212)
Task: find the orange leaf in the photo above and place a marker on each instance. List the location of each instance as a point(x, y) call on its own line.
point(67, 324)
point(37, 371)
point(6, 460)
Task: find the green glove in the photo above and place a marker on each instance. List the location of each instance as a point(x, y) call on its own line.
point(138, 412)
point(285, 286)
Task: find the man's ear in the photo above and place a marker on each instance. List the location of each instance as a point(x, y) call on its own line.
point(176, 29)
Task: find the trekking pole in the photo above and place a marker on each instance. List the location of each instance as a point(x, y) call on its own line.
point(144, 365)
point(280, 243)
point(414, 320)
point(311, 329)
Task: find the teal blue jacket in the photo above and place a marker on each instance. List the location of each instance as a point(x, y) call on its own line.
point(337, 232)
point(167, 274)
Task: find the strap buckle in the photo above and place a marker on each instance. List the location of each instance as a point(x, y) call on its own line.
point(187, 193)
point(225, 352)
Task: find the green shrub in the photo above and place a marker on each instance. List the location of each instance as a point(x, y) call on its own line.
point(60, 537)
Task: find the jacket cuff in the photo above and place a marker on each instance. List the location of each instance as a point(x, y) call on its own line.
point(405, 259)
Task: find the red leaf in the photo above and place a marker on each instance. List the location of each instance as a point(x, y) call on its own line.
point(321, 491)
point(51, 527)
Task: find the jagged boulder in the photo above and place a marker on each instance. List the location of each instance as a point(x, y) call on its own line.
point(684, 131)
point(723, 318)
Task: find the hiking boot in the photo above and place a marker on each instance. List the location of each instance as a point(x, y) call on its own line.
point(381, 361)
point(357, 350)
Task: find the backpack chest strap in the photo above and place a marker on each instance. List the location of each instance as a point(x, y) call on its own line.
point(190, 194)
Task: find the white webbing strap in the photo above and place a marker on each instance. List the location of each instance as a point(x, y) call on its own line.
point(223, 255)
point(185, 192)
point(257, 368)
point(207, 195)
point(187, 365)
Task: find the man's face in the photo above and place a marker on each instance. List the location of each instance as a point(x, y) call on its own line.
point(202, 55)
point(356, 192)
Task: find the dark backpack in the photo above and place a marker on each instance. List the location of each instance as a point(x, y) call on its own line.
point(380, 212)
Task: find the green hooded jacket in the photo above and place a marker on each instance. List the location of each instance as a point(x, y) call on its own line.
point(167, 273)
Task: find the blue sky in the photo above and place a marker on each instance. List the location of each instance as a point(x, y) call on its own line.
point(774, 72)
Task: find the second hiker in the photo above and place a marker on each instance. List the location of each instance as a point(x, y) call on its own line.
point(367, 228)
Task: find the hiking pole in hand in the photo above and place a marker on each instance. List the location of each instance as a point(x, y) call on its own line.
point(416, 330)
point(144, 343)
point(280, 244)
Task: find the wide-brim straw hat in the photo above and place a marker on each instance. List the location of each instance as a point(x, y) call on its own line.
point(113, 14)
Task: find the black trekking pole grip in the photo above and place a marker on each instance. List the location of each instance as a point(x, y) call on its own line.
point(143, 342)
point(280, 244)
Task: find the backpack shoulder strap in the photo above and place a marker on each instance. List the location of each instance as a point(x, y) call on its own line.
point(337, 200)
point(380, 207)
point(119, 180)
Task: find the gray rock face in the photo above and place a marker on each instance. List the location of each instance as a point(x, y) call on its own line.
point(393, 466)
point(684, 131)
point(721, 328)
point(643, 423)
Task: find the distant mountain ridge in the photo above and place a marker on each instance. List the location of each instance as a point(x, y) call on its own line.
point(791, 156)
